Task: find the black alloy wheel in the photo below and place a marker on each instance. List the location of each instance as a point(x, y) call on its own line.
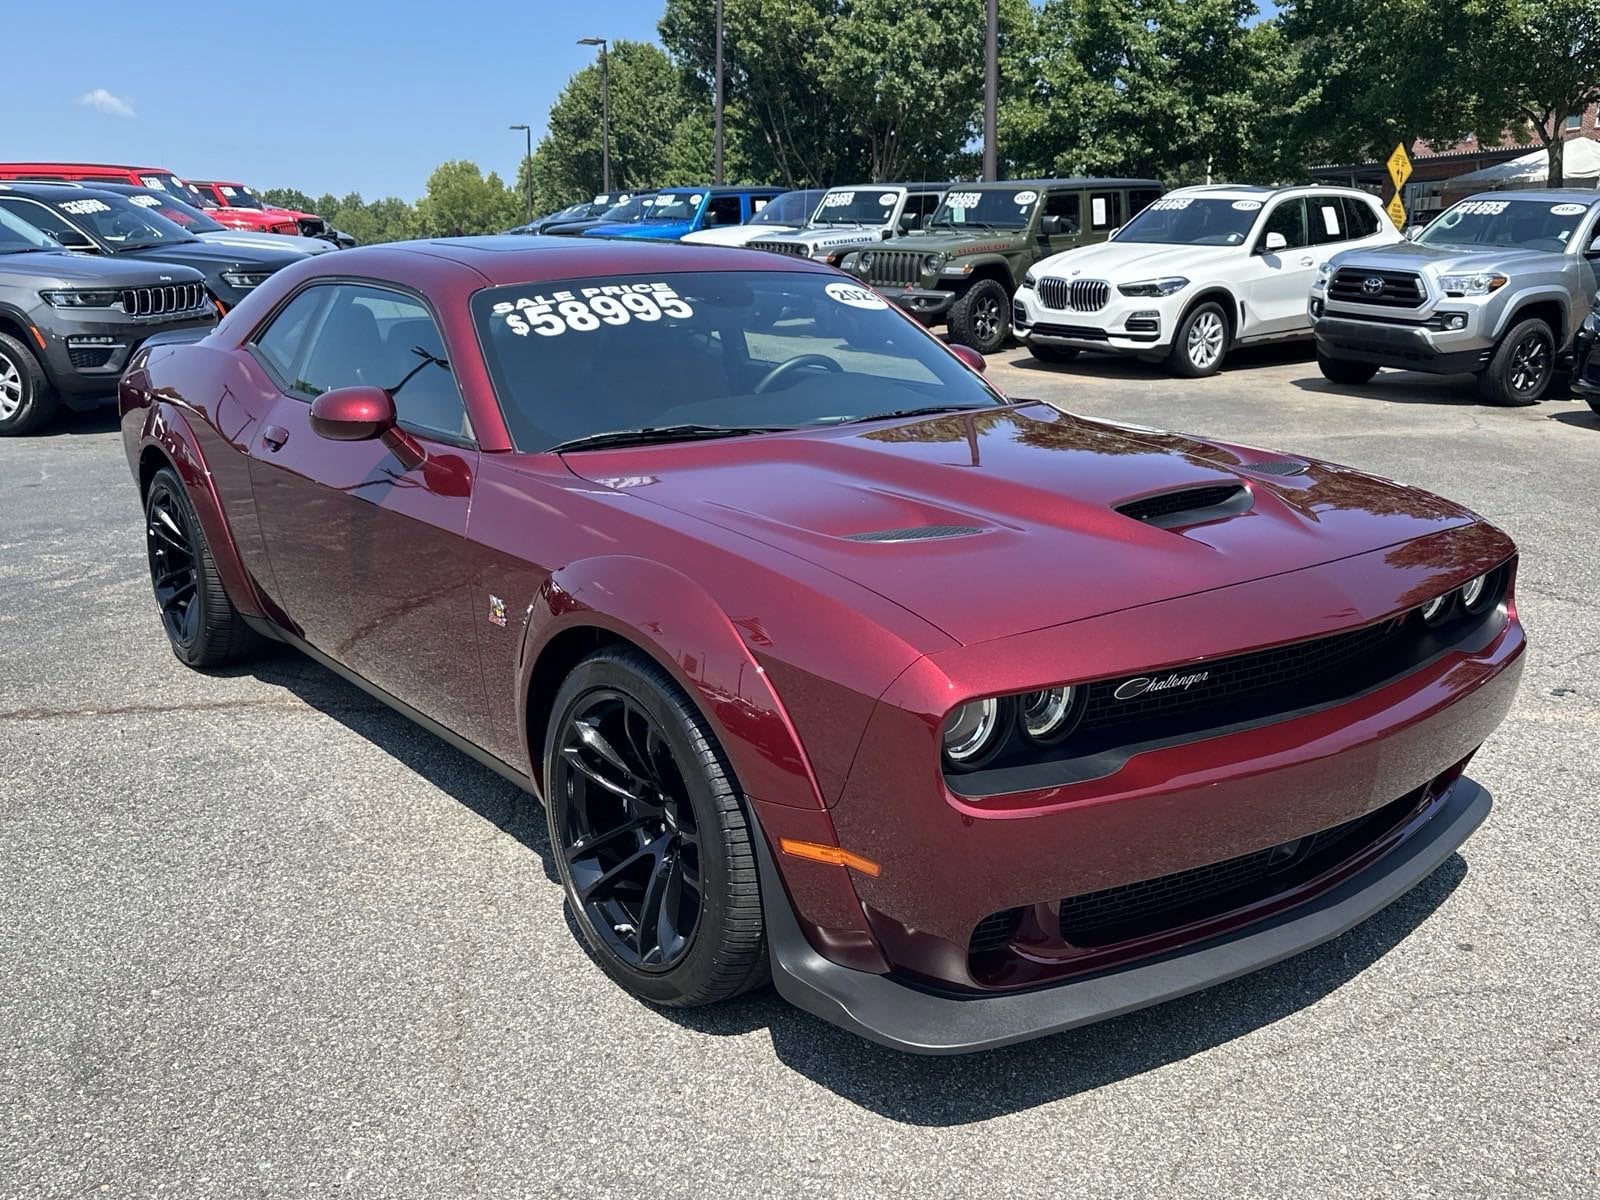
point(981, 317)
point(202, 625)
point(1522, 365)
point(650, 835)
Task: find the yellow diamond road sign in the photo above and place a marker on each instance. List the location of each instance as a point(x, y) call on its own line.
point(1399, 166)
point(1397, 212)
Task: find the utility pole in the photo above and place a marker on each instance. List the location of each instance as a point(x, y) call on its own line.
point(716, 154)
point(527, 162)
point(605, 110)
point(991, 89)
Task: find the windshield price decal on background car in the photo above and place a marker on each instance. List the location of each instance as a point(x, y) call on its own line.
point(1171, 203)
point(145, 201)
point(963, 199)
point(855, 295)
point(886, 199)
point(588, 308)
point(1022, 198)
point(1241, 205)
point(838, 199)
point(79, 207)
point(1488, 208)
point(1566, 210)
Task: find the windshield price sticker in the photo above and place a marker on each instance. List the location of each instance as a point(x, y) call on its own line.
point(838, 199)
point(228, 191)
point(157, 184)
point(855, 296)
point(963, 199)
point(585, 309)
point(1487, 208)
point(146, 201)
point(1245, 205)
point(79, 208)
point(1023, 198)
point(887, 199)
point(1171, 203)
point(1566, 210)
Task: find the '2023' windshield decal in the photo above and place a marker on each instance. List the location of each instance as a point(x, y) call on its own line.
point(583, 310)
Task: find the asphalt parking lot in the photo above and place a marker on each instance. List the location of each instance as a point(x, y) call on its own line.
point(261, 937)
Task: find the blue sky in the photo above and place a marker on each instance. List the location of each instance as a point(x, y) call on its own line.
point(335, 96)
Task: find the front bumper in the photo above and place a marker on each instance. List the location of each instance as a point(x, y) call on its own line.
point(1106, 329)
point(929, 304)
point(1586, 368)
point(1407, 340)
point(79, 367)
point(895, 1014)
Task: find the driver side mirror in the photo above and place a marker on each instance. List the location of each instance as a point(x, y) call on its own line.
point(74, 239)
point(1415, 231)
point(1275, 243)
point(970, 357)
point(1049, 226)
point(363, 414)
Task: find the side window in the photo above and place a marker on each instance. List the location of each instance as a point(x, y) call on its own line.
point(723, 210)
point(281, 345)
point(926, 204)
point(1329, 222)
point(386, 339)
point(1105, 210)
point(1359, 217)
point(1067, 208)
point(35, 214)
point(1287, 217)
point(1140, 199)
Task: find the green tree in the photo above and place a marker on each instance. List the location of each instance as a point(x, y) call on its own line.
point(291, 198)
point(461, 199)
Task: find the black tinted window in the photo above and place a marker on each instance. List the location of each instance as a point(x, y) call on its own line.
point(1105, 210)
point(1068, 207)
point(1141, 198)
point(723, 210)
point(34, 214)
point(1287, 217)
point(1360, 218)
point(281, 345)
point(1329, 223)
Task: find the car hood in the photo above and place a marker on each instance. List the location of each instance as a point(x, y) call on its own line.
point(829, 236)
point(944, 241)
point(217, 255)
point(1135, 260)
point(277, 242)
point(737, 235)
point(64, 269)
point(1024, 501)
point(1408, 256)
point(658, 230)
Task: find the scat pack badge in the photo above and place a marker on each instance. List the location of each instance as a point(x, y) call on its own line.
point(497, 611)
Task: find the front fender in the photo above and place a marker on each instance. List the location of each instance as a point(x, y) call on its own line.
point(1537, 294)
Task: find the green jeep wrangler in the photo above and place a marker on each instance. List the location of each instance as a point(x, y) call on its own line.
point(964, 265)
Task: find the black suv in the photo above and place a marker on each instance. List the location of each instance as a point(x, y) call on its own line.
point(68, 324)
point(98, 222)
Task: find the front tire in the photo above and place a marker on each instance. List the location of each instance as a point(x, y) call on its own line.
point(1343, 370)
point(981, 317)
point(649, 835)
point(1053, 354)
point(27, 398)
point(1201, 342)
point(1522, 365)
point(202, 625)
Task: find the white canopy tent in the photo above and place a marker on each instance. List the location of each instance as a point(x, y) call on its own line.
point(1580, 168)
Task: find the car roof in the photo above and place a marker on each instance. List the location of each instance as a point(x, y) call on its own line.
point(722, 189)
point(1553, 195)
point(77, 166)
point(920, 185)
point(518, 258)
point(52, 191)
point(1076, 181)
point(218, 183)
point(1255, 190)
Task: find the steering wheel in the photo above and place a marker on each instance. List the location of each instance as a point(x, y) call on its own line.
point(771, 378)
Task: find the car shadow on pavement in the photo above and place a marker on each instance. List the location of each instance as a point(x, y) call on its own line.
point(1416, 387)
point(938, 1091)
point(1583, 418)
point(76, 422)
point(1117, 366)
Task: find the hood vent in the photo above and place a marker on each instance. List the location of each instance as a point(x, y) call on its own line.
point(1277, 467)
point(916, 533)
point(1189, 506)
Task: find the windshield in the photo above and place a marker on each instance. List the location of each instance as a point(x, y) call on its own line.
point(18, 237)
point(1193, 221)
point(186, 192)
point(629, 212)
point(236, 195)
point(121, 224)
point(791, 208)
point(676, 206)
point(575, 358)
point(175, 211)
point(856, 206)
point(1514, 224)
point(986, 208)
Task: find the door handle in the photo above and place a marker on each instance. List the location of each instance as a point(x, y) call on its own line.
point(274, 436)
point(1308, 262)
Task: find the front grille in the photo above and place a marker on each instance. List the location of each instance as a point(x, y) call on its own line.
point(1284, 677)
point(1153, 508)
point(1134, 910)
point(1084, 333)
point(1079, 295)
point(89, 358)
point(167, 300)
point(902, 267)
point(794, 248)
point(994, 931)
point(1387, 289)
point(288, 227)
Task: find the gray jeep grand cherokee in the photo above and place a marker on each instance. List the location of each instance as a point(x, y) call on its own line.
point(1496, 286)
point(69, 322)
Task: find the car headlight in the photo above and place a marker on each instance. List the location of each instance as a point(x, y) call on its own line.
point(1164, 286)
point(1324, 273)
point(80, 298)
point(931, 263)
point(866, 259)
point(245, 280)
point(1049, 715)
point(1029, 279)
point(1591, 323)
point(1433, 611)
point(972, 733)
point(1479, 284)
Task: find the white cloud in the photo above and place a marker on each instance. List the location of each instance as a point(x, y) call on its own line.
point(103, 101)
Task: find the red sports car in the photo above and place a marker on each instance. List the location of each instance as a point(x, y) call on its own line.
point(962, 719)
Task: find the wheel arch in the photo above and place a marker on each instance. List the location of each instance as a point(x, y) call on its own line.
point(991, 267)
point(1549, 307)
point(1232, 309)
point(19, 327)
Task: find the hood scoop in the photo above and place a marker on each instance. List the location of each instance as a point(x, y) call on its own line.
point(1276, 467)
point(1189, 506)
point(916, 533)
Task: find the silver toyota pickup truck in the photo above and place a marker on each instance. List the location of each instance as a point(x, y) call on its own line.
point(1496, 286)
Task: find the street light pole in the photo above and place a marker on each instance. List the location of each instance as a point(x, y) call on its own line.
point(605, 110)
point(991, 88)
point(716, 154)
point(527, 163)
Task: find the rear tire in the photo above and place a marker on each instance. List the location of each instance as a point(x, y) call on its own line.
point(1522, 365)
point(1053, 354)
point(28, 400)
point(1201, 342)
point(1343, 370)
point(202, 625)
point(981, 317)
point(649, 835)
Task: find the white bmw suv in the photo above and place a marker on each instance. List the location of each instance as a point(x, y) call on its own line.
point(1197, 272)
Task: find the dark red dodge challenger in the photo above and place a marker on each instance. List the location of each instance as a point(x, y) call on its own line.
point(964, 720)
